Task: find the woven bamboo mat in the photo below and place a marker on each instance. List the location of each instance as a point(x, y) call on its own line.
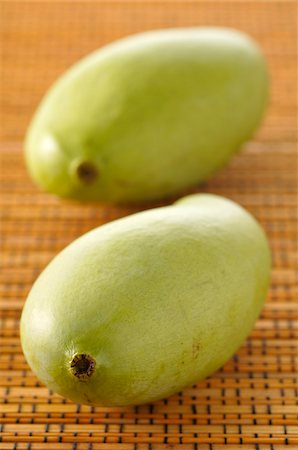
point(252, 400)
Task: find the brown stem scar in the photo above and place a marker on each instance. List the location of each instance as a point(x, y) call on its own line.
point(82, 366)
point(87, 172)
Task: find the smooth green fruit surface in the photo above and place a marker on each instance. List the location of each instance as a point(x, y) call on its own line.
point(148, 115)
point(139, 308)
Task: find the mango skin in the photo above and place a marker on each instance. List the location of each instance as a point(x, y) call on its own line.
point(159, 300)
point(148, 116)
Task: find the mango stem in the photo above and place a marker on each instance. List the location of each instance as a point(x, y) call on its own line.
point(87, 172)
point(82, 366)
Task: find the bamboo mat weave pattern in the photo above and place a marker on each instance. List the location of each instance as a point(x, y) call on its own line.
point(252, 401)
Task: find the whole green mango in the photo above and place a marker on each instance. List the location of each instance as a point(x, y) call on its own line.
point(139, 308)
point(148, 116)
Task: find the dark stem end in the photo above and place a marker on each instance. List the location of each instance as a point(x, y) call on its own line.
point(87, 172)
point(82, 366)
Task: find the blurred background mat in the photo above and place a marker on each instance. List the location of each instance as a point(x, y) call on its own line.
point(252, 401)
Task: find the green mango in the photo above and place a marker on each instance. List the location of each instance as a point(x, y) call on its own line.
point(140, 308)
point(148, 116)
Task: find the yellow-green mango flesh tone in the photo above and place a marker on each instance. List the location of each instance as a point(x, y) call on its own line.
point(148, 115)
point(139, 308)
